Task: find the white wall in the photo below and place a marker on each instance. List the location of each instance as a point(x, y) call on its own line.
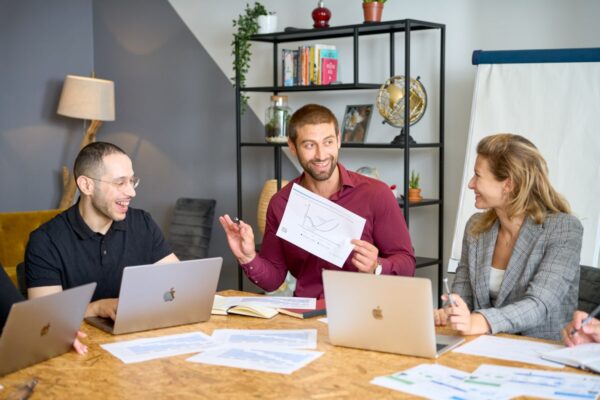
point(470, 25)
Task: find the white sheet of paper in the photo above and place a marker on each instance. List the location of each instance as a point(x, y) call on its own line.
point(436, 381)
point(281, 361)
point(263, 338)
point(225, 302)
point(319, 226)
point(526, 351)
point(324, 320)
point(537, 383)
point(132, 351)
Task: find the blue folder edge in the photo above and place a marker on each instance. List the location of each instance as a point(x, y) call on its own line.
point(536, 56)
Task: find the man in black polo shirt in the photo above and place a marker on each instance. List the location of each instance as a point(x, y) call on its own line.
point(96, 238)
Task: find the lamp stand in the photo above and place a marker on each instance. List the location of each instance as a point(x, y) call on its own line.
point(69, 186)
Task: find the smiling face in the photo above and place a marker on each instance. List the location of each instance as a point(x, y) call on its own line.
point(317, 147)
point(113, 190)
point(489, 191)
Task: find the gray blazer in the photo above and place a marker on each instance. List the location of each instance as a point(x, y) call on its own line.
point(540, 288)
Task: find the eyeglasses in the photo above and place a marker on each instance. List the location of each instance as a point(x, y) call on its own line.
point(121, 183)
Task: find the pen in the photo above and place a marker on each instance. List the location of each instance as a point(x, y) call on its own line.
point(587, 319)
point(452, 303)
point(236, 220)
point(23, 392)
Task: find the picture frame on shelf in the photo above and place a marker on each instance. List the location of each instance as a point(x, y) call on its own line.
point(356, 123)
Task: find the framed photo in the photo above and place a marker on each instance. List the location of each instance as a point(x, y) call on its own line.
point(356, 122)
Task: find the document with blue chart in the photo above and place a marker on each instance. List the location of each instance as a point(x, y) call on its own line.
point(319, 226)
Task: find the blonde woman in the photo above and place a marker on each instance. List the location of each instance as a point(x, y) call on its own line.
point(519, 268)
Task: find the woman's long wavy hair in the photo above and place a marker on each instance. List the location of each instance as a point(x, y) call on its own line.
point(516, 158)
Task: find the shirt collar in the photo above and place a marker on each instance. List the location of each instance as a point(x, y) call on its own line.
point(82, 229)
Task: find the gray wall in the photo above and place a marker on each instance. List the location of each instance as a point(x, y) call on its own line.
point(40, 42)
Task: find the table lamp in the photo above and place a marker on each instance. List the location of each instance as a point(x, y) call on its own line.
point(89, 99)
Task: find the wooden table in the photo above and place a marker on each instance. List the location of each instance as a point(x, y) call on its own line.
point(341, 373)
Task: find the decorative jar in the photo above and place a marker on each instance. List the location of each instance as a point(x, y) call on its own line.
point(276, 120)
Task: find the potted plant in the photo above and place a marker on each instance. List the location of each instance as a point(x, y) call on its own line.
point(372, 10)
point(247, 26)
point(414, 191)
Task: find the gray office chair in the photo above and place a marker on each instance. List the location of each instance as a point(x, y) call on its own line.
point(589, 288)
point(191, 227)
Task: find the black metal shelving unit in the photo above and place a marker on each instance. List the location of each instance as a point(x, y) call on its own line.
point(390, 28)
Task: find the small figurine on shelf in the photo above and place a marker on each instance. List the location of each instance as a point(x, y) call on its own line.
point(321, 16)
point(414, 191)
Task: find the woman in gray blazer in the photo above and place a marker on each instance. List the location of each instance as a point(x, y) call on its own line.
point(519, 267)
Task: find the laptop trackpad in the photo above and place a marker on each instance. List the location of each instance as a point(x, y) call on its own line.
point(106, 324)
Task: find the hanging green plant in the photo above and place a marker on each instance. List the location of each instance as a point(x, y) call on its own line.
point(247, 26)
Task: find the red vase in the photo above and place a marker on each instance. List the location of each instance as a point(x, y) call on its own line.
point(321, 15)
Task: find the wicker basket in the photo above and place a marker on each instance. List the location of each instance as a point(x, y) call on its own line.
point(268, 190)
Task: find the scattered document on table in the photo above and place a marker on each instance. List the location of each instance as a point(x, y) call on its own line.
point(257, 338)
point(435, 381)
point(282, 361)
point(319, 226)
point(526, 351)
point(586, 356)
point(537, 383)
point(306, 303)
point(138, 350)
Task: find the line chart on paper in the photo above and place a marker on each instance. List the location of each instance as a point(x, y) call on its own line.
point(319, 226)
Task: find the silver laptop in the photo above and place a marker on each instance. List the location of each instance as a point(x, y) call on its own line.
point(42, 328)
point(386, 313)
point(161, 295)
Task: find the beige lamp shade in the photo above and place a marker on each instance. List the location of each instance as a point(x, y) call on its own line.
point(268, 190)
point(87, 98)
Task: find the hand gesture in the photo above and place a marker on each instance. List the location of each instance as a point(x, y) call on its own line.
point(240, 238)
point(105, 308)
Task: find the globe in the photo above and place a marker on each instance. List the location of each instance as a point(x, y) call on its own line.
point(390, 101)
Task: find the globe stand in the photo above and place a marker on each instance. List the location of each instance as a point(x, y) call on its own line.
point(400, 139)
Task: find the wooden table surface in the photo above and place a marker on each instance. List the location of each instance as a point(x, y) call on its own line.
point(340, 373)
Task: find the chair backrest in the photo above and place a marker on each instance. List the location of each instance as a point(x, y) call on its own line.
point(589, 288)
point(15, 228)
point(191, 227)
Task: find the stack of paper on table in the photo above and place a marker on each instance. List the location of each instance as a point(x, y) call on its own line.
point(490, 382)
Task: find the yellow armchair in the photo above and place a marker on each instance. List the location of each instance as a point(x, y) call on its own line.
point(15, 228)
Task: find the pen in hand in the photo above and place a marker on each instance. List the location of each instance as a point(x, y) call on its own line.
point(452, 303)
point(236, 221)
point(587, 319)
point(24, 391)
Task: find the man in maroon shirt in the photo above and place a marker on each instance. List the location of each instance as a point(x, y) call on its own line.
point(384, 247)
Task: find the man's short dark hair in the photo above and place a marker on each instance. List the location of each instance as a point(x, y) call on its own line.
point(89, 159)
point(310, 114)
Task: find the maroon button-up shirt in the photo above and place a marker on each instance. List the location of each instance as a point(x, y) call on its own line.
point(385, 228)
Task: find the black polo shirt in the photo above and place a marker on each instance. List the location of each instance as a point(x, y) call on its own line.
point(66, 252)
point(8, 296)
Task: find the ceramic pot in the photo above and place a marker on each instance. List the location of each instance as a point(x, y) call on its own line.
point(267, 23)
point(414, 195)
point(372, 11)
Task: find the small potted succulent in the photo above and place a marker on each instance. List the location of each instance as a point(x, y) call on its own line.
point(414, 191)
point(372, 10)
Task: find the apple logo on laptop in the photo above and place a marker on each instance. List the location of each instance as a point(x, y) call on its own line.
point(45, 329)
point(170, 295)
point(377, 313)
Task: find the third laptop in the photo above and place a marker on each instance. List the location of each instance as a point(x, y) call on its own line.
point(386, 313)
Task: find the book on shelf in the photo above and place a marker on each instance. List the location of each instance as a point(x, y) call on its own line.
point(329, 67)
point(287, 68)
point(318, 54)
point(222, 307)
point(305, 313)
point(584, 356)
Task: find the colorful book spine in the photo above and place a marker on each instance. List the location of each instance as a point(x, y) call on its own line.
point(287, 68)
